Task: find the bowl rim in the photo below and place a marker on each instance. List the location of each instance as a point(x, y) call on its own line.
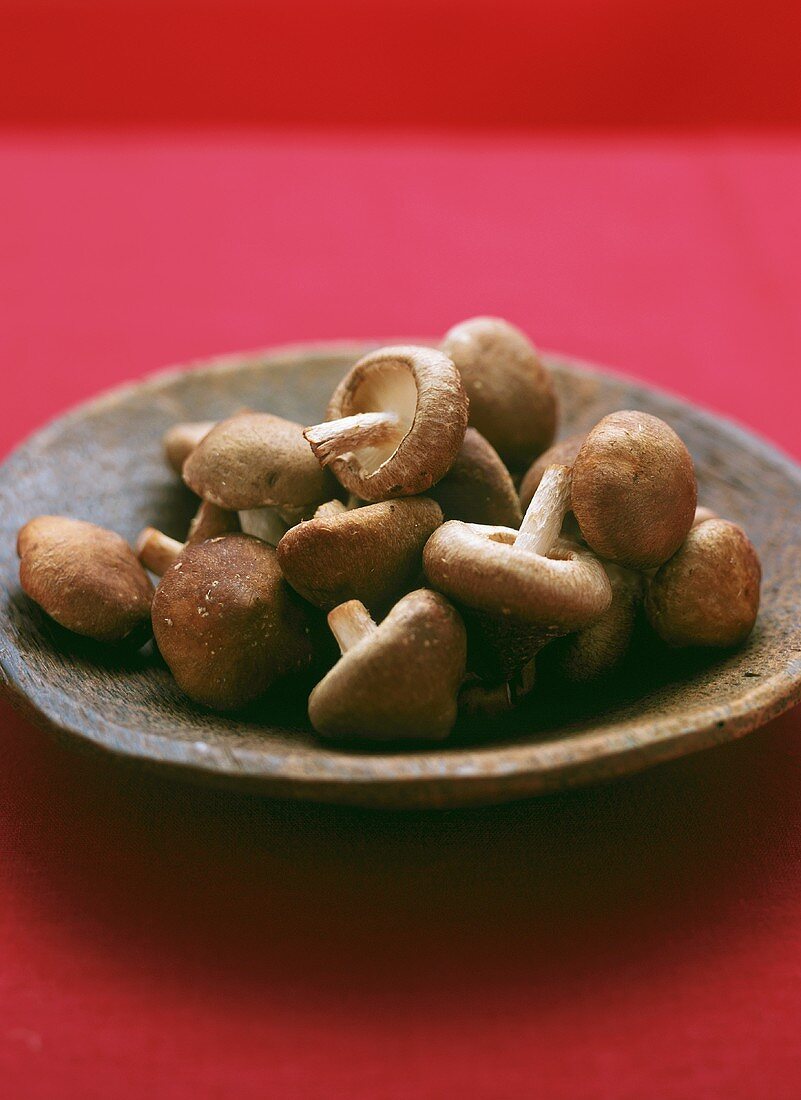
point(525, 767)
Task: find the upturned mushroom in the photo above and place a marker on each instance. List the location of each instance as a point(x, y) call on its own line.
point(260, 466)
point(478, 488)
point(396, 681)
point(181, 439)
point(634, 490)
point(227, 623)
point(562, 453)
point(708, 593)
point(86, 578)
point(512, 397)
point(519, 588)
point(157, 551)
point(372, 554)
point(394, 424)
point(600, 648)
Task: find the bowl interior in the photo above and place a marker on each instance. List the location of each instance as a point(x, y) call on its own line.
point(103, 463)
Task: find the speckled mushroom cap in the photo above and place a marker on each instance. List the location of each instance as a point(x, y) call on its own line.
point(372, 554)
point(423, 388)
point(478, 488)
point(86, 578)
point(481, 568)
point(562, 453)
point(708, 593)
point(227, 623)
point(634, 489)
point(400, 682)
point(253, 460)
point(512, 396)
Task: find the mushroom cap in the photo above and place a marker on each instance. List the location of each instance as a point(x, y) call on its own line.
point(478, 488)
point(708, 593)
point(562, 453)
point(634, 489)
point(372, 554)
point(401, 681)
point(86, 578)
point(512, 397)
point(255, 459)
point(181, 439)
point(481, 568)
point(424, 389)
point(227, 623)
point(599, 648)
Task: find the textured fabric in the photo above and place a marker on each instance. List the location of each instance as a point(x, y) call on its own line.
point(637, 940)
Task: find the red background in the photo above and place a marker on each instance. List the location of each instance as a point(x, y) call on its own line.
point(622, 180)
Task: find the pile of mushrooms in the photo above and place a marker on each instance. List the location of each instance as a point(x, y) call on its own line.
point(446, 589)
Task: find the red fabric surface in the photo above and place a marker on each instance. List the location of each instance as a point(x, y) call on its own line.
point(464, 63)
point(641, 939)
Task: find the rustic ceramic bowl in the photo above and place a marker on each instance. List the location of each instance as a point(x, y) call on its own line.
point(103, 463)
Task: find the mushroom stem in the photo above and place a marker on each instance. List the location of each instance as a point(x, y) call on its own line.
point(330, 508)
point(263, 523)
point(157, 551)
point(545, 514)
point(350, 623)
point(351, 433)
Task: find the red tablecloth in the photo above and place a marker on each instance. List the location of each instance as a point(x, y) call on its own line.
point(637, 940)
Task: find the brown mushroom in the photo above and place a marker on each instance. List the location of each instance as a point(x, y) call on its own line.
point(395, 423)
point(227, 623)
point(260, 466)
point(512, 396)
point(372, 554)
point(395, 681)
point(181, 439)
point(600, 648)
point(157, 551)
point(562, 453)
point(634, 490)
point(478, 488)
point(521, 588)
point(86, 578)
point(708, 593)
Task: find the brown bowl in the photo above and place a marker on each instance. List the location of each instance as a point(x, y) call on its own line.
point(103, 463)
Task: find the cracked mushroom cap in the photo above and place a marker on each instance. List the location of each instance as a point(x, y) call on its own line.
point(562, 453)
point(597, 650)
point(708, 593)
point(422, 393)
point(478, 488)
point(372, 554)
point(398, 680)
point(634, 490)
point(86, 578)
point(253, 460)
point(512, 397)
point(227, 623)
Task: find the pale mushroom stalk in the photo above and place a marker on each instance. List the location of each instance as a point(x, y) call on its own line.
point(330, 508)
point(335, 438)
point(157, 551)
point(545, 515)
point(351, 623)
point(263, 523)
point(181, 439)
